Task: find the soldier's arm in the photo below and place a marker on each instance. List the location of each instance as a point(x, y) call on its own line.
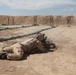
point(40, 46)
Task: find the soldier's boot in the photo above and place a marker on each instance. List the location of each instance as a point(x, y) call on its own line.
point(4, 52)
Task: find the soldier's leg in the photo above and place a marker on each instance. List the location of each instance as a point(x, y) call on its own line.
point(40, 46)
point(17, 53)
point(5, 51)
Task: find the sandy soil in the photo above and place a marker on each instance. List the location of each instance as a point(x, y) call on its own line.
point(60, 62)
point(16, 31)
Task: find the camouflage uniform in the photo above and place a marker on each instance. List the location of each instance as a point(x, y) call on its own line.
point(38, 43)
point(16, 51)
point(47, 43)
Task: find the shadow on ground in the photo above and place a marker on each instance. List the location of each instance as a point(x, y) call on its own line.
point(37, 52)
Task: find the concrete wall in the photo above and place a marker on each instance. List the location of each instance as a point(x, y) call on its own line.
point(41, 20)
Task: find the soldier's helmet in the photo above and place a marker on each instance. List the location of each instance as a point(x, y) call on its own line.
point(39, 36)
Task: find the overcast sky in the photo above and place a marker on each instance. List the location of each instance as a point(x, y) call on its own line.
point(37, 7)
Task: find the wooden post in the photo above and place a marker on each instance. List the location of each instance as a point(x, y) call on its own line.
point(69, 20)
point(8, 21)
point(58, 20)
point(13, 21)
point(35, 20)
point(51, 21)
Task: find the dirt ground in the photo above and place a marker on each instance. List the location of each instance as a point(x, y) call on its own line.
point(60, 62)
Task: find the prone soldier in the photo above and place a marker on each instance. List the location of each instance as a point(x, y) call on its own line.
point(31, 45)
point(47, 43)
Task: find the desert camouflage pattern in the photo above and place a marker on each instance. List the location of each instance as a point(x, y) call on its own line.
point(39, 36)
point(16, 51)
point(47, 43)
point(32, 43)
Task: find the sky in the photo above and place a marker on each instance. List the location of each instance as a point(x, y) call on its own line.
point(37, 7)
